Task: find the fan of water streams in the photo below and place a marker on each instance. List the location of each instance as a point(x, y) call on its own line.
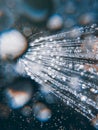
point(67, 64)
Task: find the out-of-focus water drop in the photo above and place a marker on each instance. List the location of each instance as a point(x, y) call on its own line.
point(95, 122)
point(18, 93)
point(55, 22)
point(26, 111)
point(41, 112)
point(87, 18)
point(12, 44)
point(37, 11)
point(4, 111)
point(70, 7)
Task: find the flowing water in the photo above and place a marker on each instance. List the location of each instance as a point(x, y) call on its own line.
point(67, 65)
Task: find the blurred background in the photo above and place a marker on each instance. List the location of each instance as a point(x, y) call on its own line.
point(24, 105)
